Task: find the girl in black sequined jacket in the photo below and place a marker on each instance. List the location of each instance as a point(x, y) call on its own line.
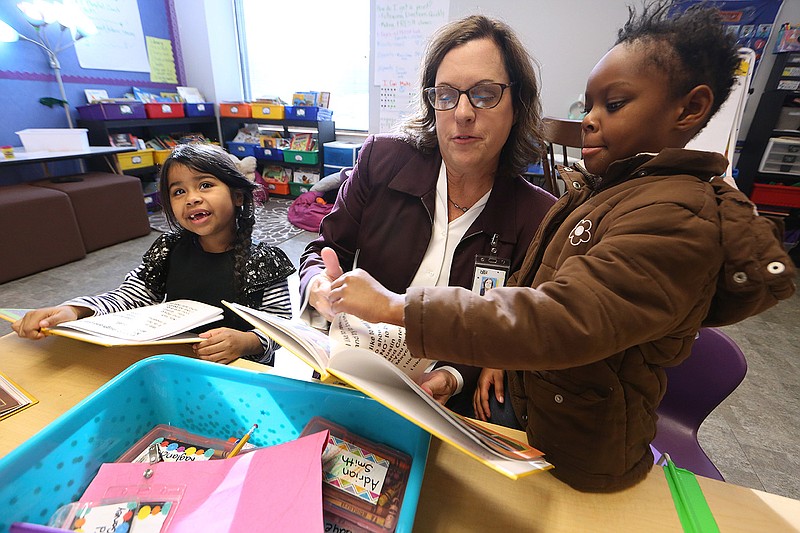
point(208, 257)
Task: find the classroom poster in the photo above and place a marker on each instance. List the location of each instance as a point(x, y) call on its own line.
point(402, 30)
point(119, 42)
point(162, 60)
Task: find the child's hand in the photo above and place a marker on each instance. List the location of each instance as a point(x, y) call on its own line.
point(320, 287)
point(225, 345)
point(30, 325)
point(480, 400)
point(440, 384)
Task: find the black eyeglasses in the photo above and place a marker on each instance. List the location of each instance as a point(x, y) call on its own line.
point(481, 96)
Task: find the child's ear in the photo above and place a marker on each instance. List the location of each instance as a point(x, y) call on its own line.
point(696, 107)
point(238, 199)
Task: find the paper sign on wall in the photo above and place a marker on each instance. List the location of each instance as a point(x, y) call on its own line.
point(162, 60)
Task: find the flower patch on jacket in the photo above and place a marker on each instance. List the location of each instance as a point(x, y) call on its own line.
point(581, 232)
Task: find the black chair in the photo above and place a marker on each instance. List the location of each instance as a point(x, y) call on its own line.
point(562, 133)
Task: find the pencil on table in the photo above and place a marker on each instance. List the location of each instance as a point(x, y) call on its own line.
point(238, 447)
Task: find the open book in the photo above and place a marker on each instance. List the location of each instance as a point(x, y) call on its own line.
point(164, 323)
point(393, 385)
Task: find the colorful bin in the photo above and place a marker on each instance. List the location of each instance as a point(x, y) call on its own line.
point(296, 189)
point(270, 111)
point(56, 465)
point(164, 110)
point(205, 109)
point(137, 159)
point(778, 195)
point(109, 111)
point(242, 149)
point(277, 187)
point(302, 157)
point(270, 154)
point(308, 113)
point(235, 109)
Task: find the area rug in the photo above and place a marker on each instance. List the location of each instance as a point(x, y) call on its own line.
point(272, 225)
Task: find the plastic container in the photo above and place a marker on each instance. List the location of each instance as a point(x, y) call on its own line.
point(302, 157)
point(235, 109)
point(56, 465)
point(164, 110)
point(341, 153)
point(269, 154)
point(242, 149)
point(205, 109)
point(296, 189)
point(308, 113)
point(137, 159)
point(55, 139)
point(109, 111)
point(270, 111)
point(779, 195)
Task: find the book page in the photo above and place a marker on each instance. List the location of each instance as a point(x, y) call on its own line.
point(386, 340)
point(305, 342)
point(148, 323)
point(383, 382)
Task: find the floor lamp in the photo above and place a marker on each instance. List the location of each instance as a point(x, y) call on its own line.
point(40, 14)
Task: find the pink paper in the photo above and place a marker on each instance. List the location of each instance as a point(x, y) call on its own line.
point(279, 487)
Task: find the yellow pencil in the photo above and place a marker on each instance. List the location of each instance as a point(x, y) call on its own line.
point(236, 449)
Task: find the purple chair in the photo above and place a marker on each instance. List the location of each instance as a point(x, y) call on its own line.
point(696, 387)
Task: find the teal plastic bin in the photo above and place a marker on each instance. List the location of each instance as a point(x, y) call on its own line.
point(56, 465)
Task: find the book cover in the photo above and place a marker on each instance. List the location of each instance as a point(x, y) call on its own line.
point(301, 142)
point(165, 323)
point(378, 364)
point(13, 398)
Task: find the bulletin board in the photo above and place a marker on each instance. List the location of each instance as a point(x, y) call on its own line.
point(124, 57)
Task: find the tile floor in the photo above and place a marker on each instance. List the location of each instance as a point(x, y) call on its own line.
point(753, 437)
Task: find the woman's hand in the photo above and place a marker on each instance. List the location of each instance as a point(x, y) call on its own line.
point(226, 345)
point(360, 294)
point(440, 384)
point(319, 288)
point(480, 400)
point(30, 326)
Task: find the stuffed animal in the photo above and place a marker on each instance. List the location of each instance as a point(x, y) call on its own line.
point(246, 166)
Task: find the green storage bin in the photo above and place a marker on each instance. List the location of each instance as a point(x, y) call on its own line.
point(301, 156)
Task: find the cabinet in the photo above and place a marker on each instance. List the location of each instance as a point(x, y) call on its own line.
point(300, 164)
point(142, 164)
point(99, 130)
point(769, 164)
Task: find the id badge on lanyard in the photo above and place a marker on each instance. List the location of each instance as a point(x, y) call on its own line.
point(491, 271)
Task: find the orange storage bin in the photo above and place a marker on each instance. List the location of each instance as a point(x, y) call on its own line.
point(235, 109)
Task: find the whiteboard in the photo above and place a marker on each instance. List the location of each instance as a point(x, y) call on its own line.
point(119, 43)
point(401, 33)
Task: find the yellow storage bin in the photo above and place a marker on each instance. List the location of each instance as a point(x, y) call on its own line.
point(159, 156)
point(271, 111)
point(138, 159)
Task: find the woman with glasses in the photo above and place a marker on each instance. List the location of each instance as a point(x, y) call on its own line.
point(442, 202)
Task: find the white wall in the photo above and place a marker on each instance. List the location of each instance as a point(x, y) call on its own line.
point(567, 37)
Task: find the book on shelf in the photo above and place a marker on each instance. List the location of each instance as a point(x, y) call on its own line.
point(374, 359)
point(301, 142)
point(164, 323)
point(123, 140)
point(12, 398)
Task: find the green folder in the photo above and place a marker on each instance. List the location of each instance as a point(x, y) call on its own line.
point(693, 510)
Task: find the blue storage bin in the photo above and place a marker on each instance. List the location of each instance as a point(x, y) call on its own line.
point(242, 149)
point(341, 153)
point(270, 154)
point(205, 109)
point(57, 464)
point(308, 113)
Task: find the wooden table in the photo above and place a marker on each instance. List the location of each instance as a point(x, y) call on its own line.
point(458, 493)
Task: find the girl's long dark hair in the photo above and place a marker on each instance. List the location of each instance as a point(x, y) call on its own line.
point(210, 159)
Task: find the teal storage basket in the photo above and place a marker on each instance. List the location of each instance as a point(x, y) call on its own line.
point(57, 464)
